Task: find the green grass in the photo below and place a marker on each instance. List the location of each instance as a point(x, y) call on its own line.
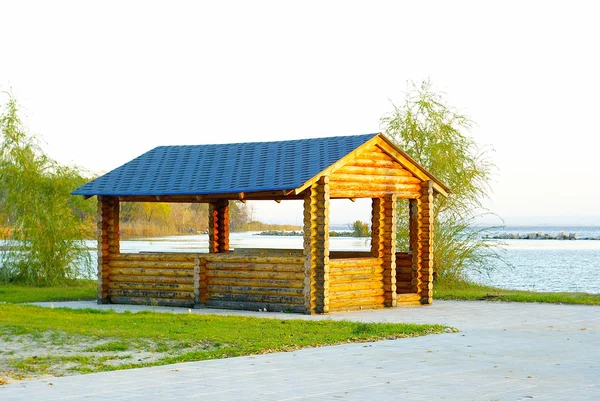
point(466, 291)
point(79, 290)
point(181, 337)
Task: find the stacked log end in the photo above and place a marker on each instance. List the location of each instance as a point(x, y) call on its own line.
point(108, 242)
point(218, 226)
point(383, 243)
point(316, 247)
point(425, 241)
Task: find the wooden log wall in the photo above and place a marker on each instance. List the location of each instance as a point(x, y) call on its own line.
point(373, 174)
point(356, 283)
point(152, 279)
point(252, 282)
point(421, 241)
point(218, 226)
point(316, 247)
point(108, 242)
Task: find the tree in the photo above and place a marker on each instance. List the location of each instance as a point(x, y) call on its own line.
point(360, 229)
point(47, 225)
point(436, 136)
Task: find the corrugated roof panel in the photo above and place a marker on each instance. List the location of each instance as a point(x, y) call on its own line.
point(227, 168)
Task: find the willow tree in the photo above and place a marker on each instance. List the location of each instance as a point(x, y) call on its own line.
point(44, 225)
point(437, 136)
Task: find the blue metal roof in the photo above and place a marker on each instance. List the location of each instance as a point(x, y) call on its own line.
point(221, 169)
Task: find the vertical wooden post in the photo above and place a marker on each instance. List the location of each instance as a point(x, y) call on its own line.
point(383, 243)
point(197, 282)
point(422, 247)
point(218, 226)
point(108, 242)
point(316, 247)
point(413, 243)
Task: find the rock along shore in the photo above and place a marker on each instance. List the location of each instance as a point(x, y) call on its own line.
point(560, 236)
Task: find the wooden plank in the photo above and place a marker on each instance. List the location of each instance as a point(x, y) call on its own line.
point(370, 277)
point(210, 273)
point(152, 294)
point(118, 278)
point(257, 267)
point(398, 171)
point(364, 302)
point(232, 289)
point(152, 272)
point(271, 299)
point(414, 297)
point(370, 179)
point(151, 286)
point(359, 193)
point(152, 301)
point(350, 286)
point(232, 257)
point(227, 281)
point(166, 264)
point(342, 297)
point(155, 257)
point(354, 262)
point(375, 187)
point(374, 164)
point(271, 307)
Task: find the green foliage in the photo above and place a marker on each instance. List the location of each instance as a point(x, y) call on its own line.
point(360, 229)
point(466, 291)
point(436, 136)
point(47, 225)
point(77, 290)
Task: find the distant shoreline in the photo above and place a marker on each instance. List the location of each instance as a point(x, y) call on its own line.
point(561, 236)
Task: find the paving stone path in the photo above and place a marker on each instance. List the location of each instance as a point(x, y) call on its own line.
point(504, 351)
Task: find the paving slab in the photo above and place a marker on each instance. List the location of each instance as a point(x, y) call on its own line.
point(504, 351)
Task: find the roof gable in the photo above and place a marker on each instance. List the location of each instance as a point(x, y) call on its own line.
point(226, 168)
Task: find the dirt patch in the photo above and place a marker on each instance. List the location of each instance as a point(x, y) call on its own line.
point(27, 356)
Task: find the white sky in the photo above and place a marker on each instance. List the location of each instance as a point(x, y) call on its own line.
point(103, 82)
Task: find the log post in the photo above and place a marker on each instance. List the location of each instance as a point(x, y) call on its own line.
point(421, 224)
point(316, 247)
point(218, 226)
point(108, 242)
point(383, 243)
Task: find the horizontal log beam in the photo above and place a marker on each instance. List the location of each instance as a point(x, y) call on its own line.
point(165, 264)
point(151, 286)
point(272, 299)
point(210, 273)
point(271, 307)
point(152, 272)
point(154, 257)
point(256, 267)
point(227, 281)
point(232, 257)
point(374, 171)
point(152, 294)
point(338, 179)
point(232, 289)
point(152, 301)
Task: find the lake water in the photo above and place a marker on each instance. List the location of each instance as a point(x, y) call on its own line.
point(540, 265)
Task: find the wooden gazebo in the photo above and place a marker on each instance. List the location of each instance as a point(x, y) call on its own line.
point(312, 280)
